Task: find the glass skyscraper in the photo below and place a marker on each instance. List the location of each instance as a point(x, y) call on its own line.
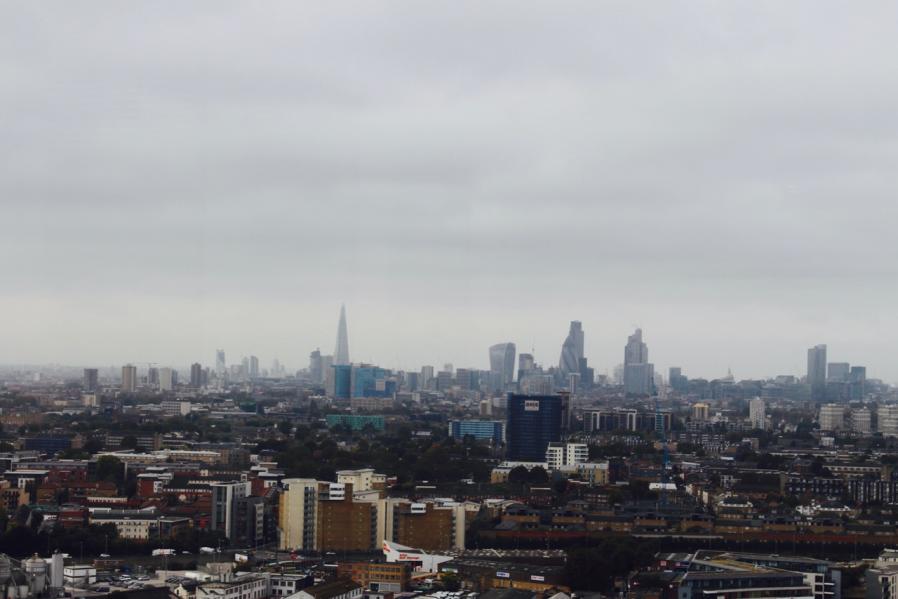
point(501, 365)
point(342, 381)
point(533, 422)
point(572, 350)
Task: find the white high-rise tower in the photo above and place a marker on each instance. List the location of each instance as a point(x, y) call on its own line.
point(341, 354)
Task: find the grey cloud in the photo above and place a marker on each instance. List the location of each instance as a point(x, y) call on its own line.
point(459, 173)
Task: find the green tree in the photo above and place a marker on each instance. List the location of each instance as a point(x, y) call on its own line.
point(518, 474)
point(538, 476)
point(111, 469)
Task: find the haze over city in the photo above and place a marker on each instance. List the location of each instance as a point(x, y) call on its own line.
point(448, 300)
point(191, 177)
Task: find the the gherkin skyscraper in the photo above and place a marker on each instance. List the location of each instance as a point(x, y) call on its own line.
point(341, 353)
point(572, 350)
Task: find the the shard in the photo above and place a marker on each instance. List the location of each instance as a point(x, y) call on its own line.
point(572, 350)
point(341, 353)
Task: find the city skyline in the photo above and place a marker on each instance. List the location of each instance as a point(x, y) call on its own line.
point(412, 181)
point(635, 350)
point(449, 300)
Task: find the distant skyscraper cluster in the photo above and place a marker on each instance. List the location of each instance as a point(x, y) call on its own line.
point(91, 380)
point(833, 381)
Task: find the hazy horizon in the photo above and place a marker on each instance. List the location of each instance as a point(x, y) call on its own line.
point(180, 178)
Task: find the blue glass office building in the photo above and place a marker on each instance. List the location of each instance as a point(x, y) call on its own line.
point(365, 382)
point(342, 381)
point(533, 422)
point(490, 430)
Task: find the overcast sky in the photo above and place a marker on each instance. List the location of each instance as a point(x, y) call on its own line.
point(181, 176)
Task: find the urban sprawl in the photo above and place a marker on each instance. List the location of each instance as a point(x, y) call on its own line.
point(344, 480)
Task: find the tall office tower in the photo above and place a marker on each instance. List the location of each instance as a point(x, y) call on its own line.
point(444, 380)
point(639, 379)
point(342, 381)
point(832, 417)
point(636, 352)
point(166, 379)
point(838, 372)
point(532, 423)
point(587, 374)
point(412, 381)
point(129, 378)
point(196, 375)
point(501, 365)
point(153, 376)
point(326, 363)
point(817, 372)
point(253, 367)
point(220, 364)
point(341, 353)
point(857, 380)
point(677, 381)
point(315, 367)
point(572, 349)
point(639, 374)
point(757, 413)
point(464, 378)
point(426, 380)
point(526, 368)
point(90, 382)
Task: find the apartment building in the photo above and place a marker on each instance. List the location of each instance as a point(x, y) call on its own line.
point(134, 525)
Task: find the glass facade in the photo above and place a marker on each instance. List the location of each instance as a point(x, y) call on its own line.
point(534, 421)
point(479, 429)
point(342, 381)
point(371, 381)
